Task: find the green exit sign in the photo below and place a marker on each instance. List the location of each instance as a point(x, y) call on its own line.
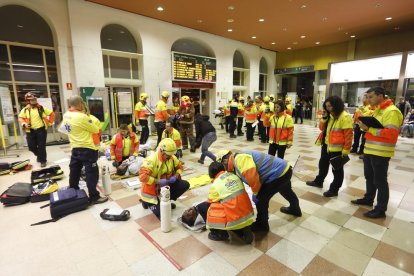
point(294, 70)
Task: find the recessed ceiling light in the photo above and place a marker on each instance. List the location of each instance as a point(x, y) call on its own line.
point(253, 37)
point(230, 20)
point(20, 26)
point(317, 42)
point(122, 32)
point(284, 29)
point(377, 5)
point(273, 43)
point(261, 20)
point(303, 6)
point(324, 19)
point(396, 28)
point(199, 21)
point(388, 18)
point(230, 30)
point(352, 36)
point(160, 8)
point(303, 36)
point(230, 8)
point(109, 39)
point(289, 48)
point(339, 28)
point(295, 42)
point(346, 33)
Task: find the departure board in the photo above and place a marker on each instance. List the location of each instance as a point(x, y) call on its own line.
point(193, 68)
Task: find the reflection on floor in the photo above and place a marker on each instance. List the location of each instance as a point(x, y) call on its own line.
point(332, 237)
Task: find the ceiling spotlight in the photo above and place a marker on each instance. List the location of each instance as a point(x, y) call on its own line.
point(377, 5)
point(317, 42)
point(230, 20)
point(352, 36)
point(284, 29)
point(396, 28)
point(229, 30)
point(160, 8)
point(121, 32)
point(253, 37)
point(303, 6)
point(339, 28)
point(109, 39)
point(289, 48)
point(295, 43)
point(388, 18)
point(324, 19)
point(19, 26)
point(199, 21)
point(230, 8)
point(303, 36)
point(261, 20)
point(273, 43)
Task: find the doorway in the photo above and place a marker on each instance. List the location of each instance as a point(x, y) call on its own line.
point(199, 98)
point(122, 103)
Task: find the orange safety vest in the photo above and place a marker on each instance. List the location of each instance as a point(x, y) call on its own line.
point(226, 109)
point(141, 112)
point(240, 111)
point(281, 130)
point(289, 109)
point(250, 114)
point(117, 149)
point(175, 135)
point(161, 115)
point(263, 113)
point(47, 120)
point(339, 133)
point(232, 209)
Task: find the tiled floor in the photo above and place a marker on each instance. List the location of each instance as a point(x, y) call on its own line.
point(331, 238)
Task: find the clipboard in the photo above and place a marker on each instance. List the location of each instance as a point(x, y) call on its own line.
point(370, 121)
point(339, 161)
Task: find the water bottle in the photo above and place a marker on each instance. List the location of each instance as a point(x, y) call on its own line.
point(165, 209)
point(106, 182)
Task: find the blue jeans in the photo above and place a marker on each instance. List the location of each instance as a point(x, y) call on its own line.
point(208, 139)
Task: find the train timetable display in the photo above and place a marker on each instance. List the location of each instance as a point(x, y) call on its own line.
point(194, 68)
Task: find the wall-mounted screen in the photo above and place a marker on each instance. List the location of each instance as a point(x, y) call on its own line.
point(95, 105)
point(193, 68)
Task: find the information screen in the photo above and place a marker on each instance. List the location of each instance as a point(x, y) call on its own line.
point(193, 68)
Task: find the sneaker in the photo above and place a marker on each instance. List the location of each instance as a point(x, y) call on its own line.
point(43, 164)
point(201, 162)
point(218, 235)
point(330, 193)
point(291, 211)
point(192, 149)
point(144, 204)
point(375, 214)
point(361, 157)
point(260, 227)
point(314, 184)
point(362, 201)
point(245, 234)
point(100, 200)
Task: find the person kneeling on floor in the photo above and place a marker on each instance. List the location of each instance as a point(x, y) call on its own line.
point(160, 169)
point(228, 207)
point(266, 175)
point(123, 145)
point(171, 132)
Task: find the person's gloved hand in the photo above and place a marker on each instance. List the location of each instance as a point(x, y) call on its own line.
point(172, 179)
point(255, 199)
point(163, 182)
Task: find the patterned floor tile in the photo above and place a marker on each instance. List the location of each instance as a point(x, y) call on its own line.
point(365, 227)
point(194, 250)
point(332, 216)
point(264, 241)
point(315, 198)
point(356, 241)
point(320, 266)
point(395, 257)
point(381, 221)
point(149, 222)
point(376, 267)
point(129, 201)
point(400, 234)
point(265, 265)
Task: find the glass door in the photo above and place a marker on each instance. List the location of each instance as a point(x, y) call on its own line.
point(122, 104)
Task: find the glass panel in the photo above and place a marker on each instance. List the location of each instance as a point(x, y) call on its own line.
point(56, 103)
point(106, 66)
point(236, 78)
point(4, 64)
point(135, 74)
point(51, 66)
point(27, 64)
point(262, 82)
point(120, 67)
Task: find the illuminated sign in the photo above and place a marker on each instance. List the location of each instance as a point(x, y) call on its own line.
point(193, 68)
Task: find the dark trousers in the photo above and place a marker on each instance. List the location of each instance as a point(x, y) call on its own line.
point(36, 141)
point(227, 122)
point(261, 129)
point(281, 185)
point(280, 149)
point(187, 136)
point(324, 168)
point(206, 142)
point(358, 134)
point(299, 114)
point(160, 126)
point(232, 125)
point(265, 133)
point(250, 131)
point(239, 125)
point(84, 157)
point(202, 209)
point(176, 190)
point(375, 171)
point(144, 131)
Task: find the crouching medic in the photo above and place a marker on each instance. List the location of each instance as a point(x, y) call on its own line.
point(160, 169)
point(123, 145)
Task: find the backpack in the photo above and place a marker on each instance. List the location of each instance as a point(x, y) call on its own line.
point(51, 173)
point(42, 190)
point(65, 201)
point(16, 194)
point(8, 168)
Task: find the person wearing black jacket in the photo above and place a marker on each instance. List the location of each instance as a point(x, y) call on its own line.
point(205, 132)
point(233, 118)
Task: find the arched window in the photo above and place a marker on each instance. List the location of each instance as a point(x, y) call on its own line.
point(263, 76)
point(240, 70)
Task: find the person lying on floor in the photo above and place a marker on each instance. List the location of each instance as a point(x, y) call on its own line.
point(228, 207)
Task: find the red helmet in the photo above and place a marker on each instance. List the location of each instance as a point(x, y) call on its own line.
point(29, 96)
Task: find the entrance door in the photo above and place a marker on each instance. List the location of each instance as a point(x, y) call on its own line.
point(199, 97)
point(122, 104)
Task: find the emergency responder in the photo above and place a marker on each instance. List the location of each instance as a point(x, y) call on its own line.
point(266, 175)
point(226, 110)
point(240, 116)
point(171, 132)
point(289, 107)
point(272, 98)
point(35, 119)
point(233, 118)
point(379, 148)
point(174, 113)
point(336, 140)
point(123, 145)
point(186, 122)
point(81, 129)
point(250, 113)
point(228, 207)
point(161, 114)
point(258, 103)
point(281, 130)
point(267, 108)
point(359, 135)
point(141, 117)
point(158, 170)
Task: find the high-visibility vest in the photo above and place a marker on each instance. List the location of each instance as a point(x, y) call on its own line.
point(250, 114)
point(289, 109)
point(263, 109)
point(226, 109)
point(339, 133)
point(141, 112)
point(153, 168)
point(240, 111)
point(161, 111)
point(45, 115)
point(175, 135)
point(230, 207)
point(81, 128)
point(117, 148)
point(381, 142)
point(281, 128)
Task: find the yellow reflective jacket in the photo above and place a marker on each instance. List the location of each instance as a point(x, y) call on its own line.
point(81, 129)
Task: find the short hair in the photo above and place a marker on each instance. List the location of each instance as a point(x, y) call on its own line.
point(215, 168)
point(281, 104)
point(123, 127)
point(170, 121)
point(378, 90)
point(337, 104)
point(188, 221)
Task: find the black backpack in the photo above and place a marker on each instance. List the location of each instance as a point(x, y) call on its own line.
point(16, 194)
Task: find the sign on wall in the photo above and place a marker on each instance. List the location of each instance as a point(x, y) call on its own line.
point(6, 105)
point(193, 68)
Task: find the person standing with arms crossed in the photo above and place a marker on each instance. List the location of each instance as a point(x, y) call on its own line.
point(379, 148)
point(35, 120)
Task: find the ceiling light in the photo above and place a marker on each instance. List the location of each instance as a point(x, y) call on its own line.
point(377, 5)
point(324, 19)
point(339, 28)
point(273, 43)
point(20, 26)
point(253, 37)
point(199, 21)
point(352, 36)
point(388, 18)
point(303, 6)
point(122, 32)
point(396, 28)
point(317, 42)
point(261, 20)
point(230, 30)
point(303, 36)
point(230, 20)
point(230, 8)
point(284, 29)
point(289, 48)
point(160, 8)
point(295, 43)
point(109, 39)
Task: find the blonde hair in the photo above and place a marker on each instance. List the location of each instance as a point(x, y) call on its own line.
point(78, 103)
